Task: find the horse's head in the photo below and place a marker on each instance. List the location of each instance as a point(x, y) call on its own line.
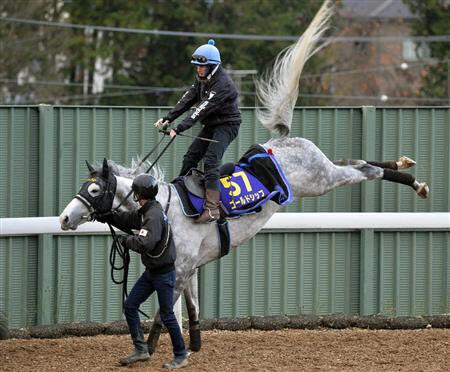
point(96, 195)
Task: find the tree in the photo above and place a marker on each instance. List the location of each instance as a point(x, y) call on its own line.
point(434, 19)
point(163, 61)
point(30, 57)
point(130, 63)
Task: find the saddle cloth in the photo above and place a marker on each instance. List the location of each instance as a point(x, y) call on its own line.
point(245, 187)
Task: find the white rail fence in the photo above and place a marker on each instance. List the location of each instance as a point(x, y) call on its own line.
point(280, 221)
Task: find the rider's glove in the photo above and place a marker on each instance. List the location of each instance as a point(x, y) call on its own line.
point(162, 123)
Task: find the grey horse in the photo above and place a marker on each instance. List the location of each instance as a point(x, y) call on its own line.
point(309, 172)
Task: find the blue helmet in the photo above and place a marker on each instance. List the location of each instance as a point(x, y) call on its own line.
point(206, 54)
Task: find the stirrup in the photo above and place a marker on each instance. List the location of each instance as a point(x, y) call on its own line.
point(211, 218)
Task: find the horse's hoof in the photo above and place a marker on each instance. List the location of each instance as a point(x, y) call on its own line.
point(423, 190)
point(404, 163)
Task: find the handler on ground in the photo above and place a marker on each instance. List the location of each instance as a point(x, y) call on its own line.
point(157, 249)
point(216, 99)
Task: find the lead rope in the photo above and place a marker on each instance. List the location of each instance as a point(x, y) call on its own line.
point(117, 249)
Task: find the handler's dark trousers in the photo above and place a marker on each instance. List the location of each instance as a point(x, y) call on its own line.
point(163, 284)
point(210, 152)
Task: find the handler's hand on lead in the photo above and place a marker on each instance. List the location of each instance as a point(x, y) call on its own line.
point(122, 239)
point(172, 133)
point(161, 123)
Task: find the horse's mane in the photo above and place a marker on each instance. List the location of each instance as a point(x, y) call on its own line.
point(135, 169)
point(278, 89)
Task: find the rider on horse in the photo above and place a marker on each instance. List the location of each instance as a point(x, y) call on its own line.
point(216, 99)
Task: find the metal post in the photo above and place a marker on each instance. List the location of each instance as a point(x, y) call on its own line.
point(367, 205)
point(368, 153)
point(367, 298)
point(45, 285)
point(448, 81)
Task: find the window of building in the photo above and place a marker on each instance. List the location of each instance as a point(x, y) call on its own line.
point(413, 51)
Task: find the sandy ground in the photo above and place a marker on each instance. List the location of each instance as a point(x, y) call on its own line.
point(286, 350)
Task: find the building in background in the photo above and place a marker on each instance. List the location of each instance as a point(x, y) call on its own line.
point(376, 73)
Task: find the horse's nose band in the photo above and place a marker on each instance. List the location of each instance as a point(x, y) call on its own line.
point(86, 203)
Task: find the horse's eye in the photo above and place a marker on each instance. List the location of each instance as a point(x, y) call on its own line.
point(93, 189)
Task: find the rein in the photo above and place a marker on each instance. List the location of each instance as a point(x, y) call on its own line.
point(151, 166)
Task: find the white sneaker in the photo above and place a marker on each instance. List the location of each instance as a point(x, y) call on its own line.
point(177, 363)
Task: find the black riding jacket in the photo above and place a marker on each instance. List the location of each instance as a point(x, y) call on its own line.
point(216, 100)
point(154, 241)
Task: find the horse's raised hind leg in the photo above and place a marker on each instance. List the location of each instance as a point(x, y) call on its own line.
point(390, 172)
point(421, 188)
point(373, 172)
point(311, 173)
point(402, 163)
point(343, 162)
point(191, 297)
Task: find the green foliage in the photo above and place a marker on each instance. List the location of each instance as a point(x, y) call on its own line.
point(30, 53)
point(434, 19)
point(163, 61)
point(138, 60)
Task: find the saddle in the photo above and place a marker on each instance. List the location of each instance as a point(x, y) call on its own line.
point(194, 180)
point(193, 185)
point(245, 186)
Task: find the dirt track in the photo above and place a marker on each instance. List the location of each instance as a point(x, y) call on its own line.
point(286, 350)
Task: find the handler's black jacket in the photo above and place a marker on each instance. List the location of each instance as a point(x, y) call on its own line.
point(216, 99)
point(153, 225)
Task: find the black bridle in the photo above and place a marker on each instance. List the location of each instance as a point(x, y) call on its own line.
point(107, 182)
point(101, 203)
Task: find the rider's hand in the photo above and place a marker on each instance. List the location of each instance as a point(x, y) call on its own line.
point(161, 123)
point(172, 133)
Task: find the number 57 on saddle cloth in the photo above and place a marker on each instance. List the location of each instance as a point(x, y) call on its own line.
point(256, 179)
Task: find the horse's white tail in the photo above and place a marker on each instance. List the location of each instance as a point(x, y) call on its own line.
point(278, 89)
